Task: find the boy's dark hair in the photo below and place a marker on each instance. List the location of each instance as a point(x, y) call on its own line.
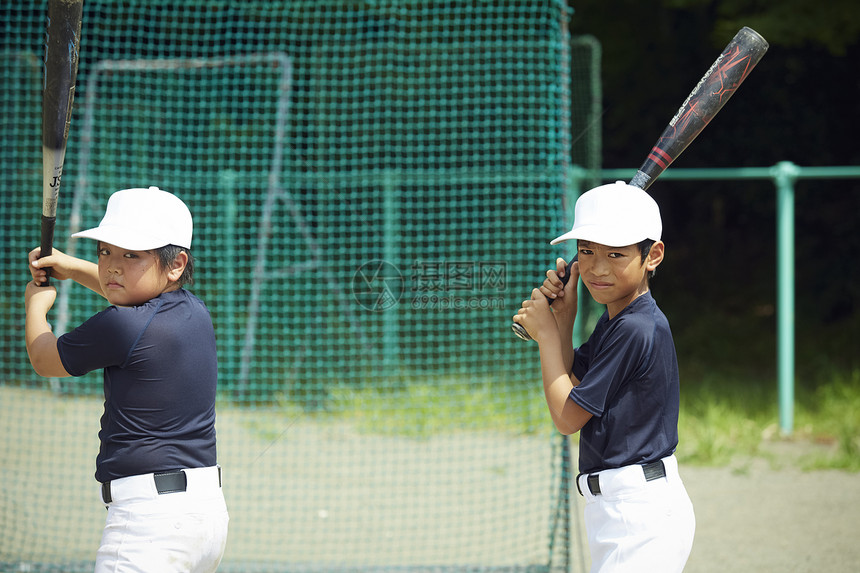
point(165, 257)
point(644, 249)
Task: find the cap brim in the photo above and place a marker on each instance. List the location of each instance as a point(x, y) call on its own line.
point(566, 237)
point(120, 237)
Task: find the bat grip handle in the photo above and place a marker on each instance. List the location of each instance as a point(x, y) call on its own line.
point(518, 329)
point(47, 242)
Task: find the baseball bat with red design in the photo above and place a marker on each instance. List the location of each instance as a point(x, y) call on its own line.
point(62, 42)
point(709, 96)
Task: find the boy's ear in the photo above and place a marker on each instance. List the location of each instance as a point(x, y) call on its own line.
point(655, 256)
point(177, 267)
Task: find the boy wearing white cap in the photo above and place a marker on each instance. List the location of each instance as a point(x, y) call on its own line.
point(157, 462)
point(619, 389)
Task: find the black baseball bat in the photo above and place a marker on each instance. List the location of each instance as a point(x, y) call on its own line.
point(62, 43)
point(709, 96)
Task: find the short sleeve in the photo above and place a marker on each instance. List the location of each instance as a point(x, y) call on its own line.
point(104, 340)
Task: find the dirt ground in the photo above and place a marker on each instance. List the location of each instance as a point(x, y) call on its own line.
point(298, 491)
point(759, 515)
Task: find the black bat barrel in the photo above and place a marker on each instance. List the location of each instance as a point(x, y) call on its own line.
point(62, 41)
point(709, 96)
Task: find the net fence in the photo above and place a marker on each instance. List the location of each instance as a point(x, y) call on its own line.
point(373, 185)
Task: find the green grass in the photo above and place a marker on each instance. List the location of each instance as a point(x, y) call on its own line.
point(725, 419)
point(721, 420)
point(831, 415)
point(420, 409)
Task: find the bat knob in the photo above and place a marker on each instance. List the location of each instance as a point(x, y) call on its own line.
point(520, 331)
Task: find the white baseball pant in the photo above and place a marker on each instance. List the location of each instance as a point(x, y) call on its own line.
point(636, 525)
point(151, 532)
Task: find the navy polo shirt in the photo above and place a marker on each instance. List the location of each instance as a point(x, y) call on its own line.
point(628, 374)
point(160, 375)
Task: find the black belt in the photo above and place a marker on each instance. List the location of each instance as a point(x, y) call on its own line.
point(654, 470)
point(167, 482)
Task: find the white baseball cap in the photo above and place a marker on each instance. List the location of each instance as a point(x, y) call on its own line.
point(615, 215)
point(142, 219)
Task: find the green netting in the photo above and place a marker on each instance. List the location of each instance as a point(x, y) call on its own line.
point(373, 185)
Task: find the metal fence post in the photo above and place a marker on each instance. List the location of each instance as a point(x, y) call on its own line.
point(784, 175)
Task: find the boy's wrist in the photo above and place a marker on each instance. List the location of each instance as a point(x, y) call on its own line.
point(33, 309)
point(38, 300)
point(565, 322)
point(548, 334)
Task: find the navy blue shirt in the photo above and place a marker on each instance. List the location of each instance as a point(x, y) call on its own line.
point(628, 374)
point(160, 375)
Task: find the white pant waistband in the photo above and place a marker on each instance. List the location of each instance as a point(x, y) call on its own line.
point(614, 482)
point(150, 486)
